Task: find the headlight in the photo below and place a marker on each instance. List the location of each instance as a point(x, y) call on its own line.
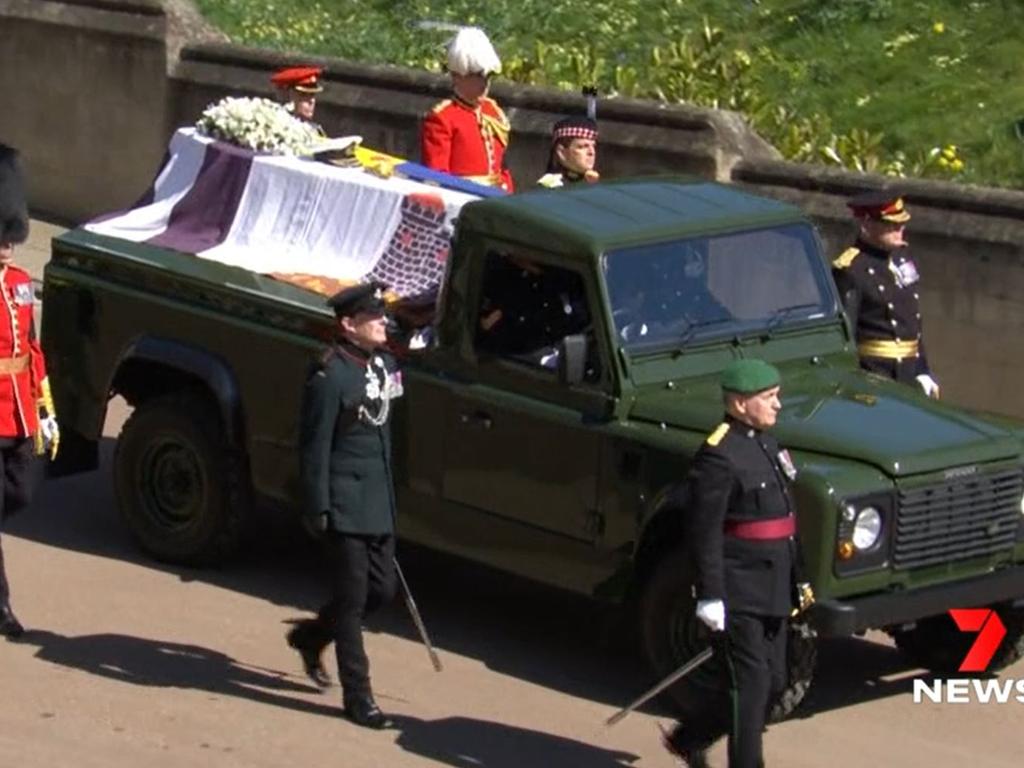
point(864, 533)
point(867, 529)
point(1022, 505)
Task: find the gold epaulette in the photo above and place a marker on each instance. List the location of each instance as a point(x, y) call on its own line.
point(845, 259)
point(716, 437)
point(442, 105)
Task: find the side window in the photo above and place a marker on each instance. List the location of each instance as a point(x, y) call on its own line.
point(527, 307)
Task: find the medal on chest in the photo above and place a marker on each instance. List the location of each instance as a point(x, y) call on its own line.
point(23, 295)
point(786, 464)
point(381, 388)
point(905, 272)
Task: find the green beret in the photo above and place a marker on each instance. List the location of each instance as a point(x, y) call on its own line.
point(747, 377)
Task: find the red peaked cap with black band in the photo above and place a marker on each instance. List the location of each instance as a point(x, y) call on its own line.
point(881, 206)
point(302, 79)
point(574, 128)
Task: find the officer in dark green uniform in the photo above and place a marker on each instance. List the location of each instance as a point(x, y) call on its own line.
point(741, 527)
point(345, 458)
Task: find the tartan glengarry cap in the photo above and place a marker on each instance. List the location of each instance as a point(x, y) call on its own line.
point(302, 79)
point(574, 128)
point(880, 205)
point(358, 299)
point(748, 377)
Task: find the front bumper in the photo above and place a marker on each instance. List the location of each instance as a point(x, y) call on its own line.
point(834, 618)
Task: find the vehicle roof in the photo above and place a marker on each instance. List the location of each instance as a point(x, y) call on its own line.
point(598, 217)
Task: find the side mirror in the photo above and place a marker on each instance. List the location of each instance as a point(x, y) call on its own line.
point(572, 359)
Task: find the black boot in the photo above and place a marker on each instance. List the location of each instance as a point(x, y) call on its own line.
point(363, 710)
point(303, 638)
point(687, 754)
point(10, 627)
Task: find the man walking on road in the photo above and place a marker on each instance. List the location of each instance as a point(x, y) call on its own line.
point(742, 531)
point(28, 423)
point(345, 457)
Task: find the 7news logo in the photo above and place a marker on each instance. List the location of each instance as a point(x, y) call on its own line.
point(991, 632)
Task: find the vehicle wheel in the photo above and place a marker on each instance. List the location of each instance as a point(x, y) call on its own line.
point(937, 644)
point(181, 492)
point(671, 635)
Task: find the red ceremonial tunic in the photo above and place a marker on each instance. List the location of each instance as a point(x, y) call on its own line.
point(468, 141)
point(22, 368)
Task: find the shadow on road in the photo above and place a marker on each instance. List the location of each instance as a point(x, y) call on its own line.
point(537, 634)
point(464, 742)
point(157, 663)
point(457, 741)
point(534, 633)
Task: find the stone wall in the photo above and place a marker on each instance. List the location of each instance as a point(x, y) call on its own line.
point(84, 89)
point(94, 88)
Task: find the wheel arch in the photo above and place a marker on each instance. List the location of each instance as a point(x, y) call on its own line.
point(152, 366)
point(663, 531)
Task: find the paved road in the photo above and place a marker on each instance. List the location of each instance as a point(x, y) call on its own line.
point(132, 663)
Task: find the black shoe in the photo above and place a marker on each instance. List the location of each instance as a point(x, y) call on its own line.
point(298, 637)
point(363, 710)
point(691, 757)
point(10, 627)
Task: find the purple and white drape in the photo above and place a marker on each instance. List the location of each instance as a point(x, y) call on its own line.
point(283, 215)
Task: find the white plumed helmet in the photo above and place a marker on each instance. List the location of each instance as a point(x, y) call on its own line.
point(470, 52)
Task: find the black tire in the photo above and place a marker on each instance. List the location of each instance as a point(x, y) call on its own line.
point(181, 491)
point(671, 635)
point(937, 644)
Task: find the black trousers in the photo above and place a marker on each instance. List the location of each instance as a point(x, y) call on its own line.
point(16, 456)
point(744, 677)
point(362, 580)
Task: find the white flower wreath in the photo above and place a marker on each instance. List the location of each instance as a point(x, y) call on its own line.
point(258, 124)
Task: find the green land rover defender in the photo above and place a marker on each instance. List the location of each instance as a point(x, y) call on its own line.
point(554, 462)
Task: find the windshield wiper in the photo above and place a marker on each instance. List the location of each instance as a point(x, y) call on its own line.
point(696, 325)
point(780, 314)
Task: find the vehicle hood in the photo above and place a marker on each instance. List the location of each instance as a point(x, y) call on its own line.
point(851, 415)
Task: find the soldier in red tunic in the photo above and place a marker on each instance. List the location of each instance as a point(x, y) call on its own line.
point(467, 135)
point(27, 419)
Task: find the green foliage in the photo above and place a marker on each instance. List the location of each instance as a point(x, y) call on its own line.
point(873, 85)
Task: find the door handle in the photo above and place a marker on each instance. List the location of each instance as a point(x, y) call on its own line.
point(477, 418)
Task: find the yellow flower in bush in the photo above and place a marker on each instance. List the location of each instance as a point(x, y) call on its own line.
point(938, 27)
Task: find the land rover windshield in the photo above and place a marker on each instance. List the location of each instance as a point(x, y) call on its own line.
point(758, 281)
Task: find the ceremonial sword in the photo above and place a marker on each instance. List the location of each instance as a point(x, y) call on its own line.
point(646, 696)
point(410, 603)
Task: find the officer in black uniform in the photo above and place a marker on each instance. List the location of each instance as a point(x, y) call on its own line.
point(345, 458)
point(879, 284)
point(741, 527)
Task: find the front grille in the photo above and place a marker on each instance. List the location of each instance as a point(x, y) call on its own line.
point(958, 519)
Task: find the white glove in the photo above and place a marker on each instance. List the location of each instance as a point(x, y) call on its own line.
point(712, 613)
point(929, 385)
point(51, 435)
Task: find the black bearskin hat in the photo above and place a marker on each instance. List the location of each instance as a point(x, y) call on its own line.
point(13, 206)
